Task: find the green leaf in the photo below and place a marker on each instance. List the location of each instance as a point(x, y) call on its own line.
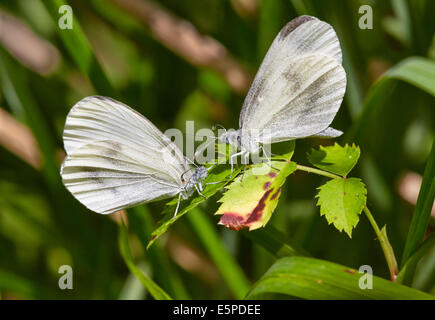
point(417, 71)
point(157, 292)
point(341, 202)
point(310, 278)
point(336, 159)
point(220, 174)
point(422, 212)
point(251, 199)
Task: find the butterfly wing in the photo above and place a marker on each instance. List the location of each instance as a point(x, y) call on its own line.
point(116, 158)
point(299, 86)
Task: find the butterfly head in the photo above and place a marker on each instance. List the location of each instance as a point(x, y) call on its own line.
point(195, 179)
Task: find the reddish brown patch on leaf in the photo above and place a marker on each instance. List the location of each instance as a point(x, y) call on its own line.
point(335, 218)
point(153, 237)
point(272, 174)
point(276, 194)
point(258, 210)
point(349, 271)
point(232, 220)
point(235, 221)
point(266, 185)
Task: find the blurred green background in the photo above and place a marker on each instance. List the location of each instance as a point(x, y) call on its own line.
point(193, 60)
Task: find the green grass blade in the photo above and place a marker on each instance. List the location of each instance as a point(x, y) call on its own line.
point(227, 265)
point(407, 273)
point(78, 47)
point(157, 292)
point(17, 93)
point(419, 72)
point(141, 223)
point(422, 211)
point(424, 279)
point(310, 278)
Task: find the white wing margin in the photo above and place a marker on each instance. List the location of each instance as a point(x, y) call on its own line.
point(300, 85)
point(116, 158)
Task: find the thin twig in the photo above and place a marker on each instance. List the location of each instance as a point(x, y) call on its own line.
point(317, 171)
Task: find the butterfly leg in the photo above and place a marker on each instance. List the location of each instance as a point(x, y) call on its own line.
point(243, 172)
point(245, 155)
point(178, 205)
point(199, 192)
point(268, 157)
point(232, 162)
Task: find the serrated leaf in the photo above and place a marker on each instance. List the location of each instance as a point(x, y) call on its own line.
point(251, 199)
point(336, 159)
point(341, 202)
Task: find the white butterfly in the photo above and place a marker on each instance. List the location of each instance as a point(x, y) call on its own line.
point(116, 158)
point(297, 90)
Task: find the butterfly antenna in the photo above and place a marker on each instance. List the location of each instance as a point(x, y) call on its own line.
point(220, 126)
point(191, 162)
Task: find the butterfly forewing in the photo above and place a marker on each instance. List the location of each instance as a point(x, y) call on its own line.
point(116, 158)
point(300, 84)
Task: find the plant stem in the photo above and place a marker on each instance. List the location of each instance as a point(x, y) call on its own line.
point(381, 234)
point(317, 171)
point(385, 244)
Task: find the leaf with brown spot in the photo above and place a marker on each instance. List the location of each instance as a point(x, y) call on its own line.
point(341, 202)
point(251, 199)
